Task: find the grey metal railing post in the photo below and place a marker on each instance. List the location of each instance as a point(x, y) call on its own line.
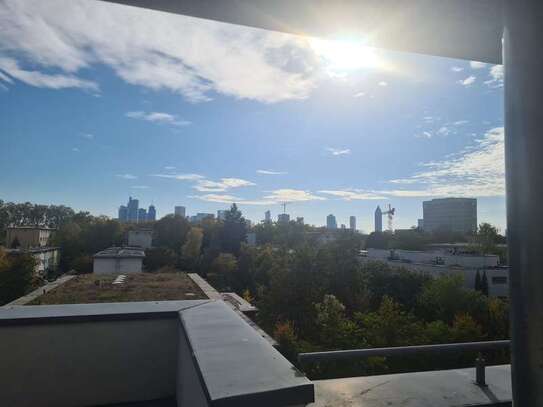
point(480, 365)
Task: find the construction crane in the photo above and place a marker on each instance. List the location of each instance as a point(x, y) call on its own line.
point(390, 216)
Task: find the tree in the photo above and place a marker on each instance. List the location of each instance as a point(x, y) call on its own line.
point(171, 232)
point(335, 330)
point(484, 284)
point(477, 281)
point(15, 244)
point(158, 257)
point(486, 238)
point(16, 272)
point(234, 230)
point(193, 245)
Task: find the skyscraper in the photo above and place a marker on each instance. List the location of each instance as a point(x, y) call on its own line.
point(267, 217)
point(151, 213)
point(132, 208)
point(378, 219)
point(331, 222)
point(283, 218)
point(123, 213)
point(180, 211)
point(451, 214)
point(352, 222)
point(142, 215)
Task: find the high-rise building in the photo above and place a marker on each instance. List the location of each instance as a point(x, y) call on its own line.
point(180, 211)
point(142, 215)
point(420, 224)
point(331, 222)
point(151, 213)
point(132, 208)
point(352, 222)
point(267, 217)
point(123, 213)
point(283, 218)
point(378, 219)
point(450, 214)
point(221, 214)
point(200, 216)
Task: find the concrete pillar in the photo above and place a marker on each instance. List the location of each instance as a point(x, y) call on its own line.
point(523, 63)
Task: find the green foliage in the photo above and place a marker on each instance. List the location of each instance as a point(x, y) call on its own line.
point(379, 240)
point(193, 246)
point(234, 230)
point(83, 264)
point(171, 232)
point(159, 257)
point(16, 272)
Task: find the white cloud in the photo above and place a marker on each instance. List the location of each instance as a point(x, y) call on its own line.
point(425, 134)
point(460, 122)
point(496, 74)
point(478, 170)
point(477, 65)
point(140, 187)
point(269, 172)
point(160, 51)
point(468, 81)
point(359, 94)
point(169, 168)
point(443, 131)
point(457, 69)
point(230, 199)
point(126, 176)
point(382, 83)
point(88, 136)
point(292, 195)
point(42, 80)
point(338, 151)
point(224, 184)
point(352, 195)
point(180, 177)
point(75, 150)
point(158, 117)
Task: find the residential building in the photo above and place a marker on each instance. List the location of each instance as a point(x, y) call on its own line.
point(132, 207)
point(123, 213)
point(180, 211)
point(378, 218)
point(140, 238)
point(35, 241)
point(118, 260)
point(331, 222)
point(151, 213)
point(283, 218)
point(221, 214)
point(267, 217)
point(142, 215)
point(450, 214)
point(28, 236)
point(352, 223)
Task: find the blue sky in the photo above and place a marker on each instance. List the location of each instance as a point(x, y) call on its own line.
point(101, 101)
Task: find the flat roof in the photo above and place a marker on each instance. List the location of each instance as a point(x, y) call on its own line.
point(120, 253)
point(31, 227)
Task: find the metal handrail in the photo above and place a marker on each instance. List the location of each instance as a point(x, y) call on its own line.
point(401, 350)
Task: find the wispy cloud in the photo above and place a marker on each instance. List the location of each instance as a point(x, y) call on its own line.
point(126, 176)
point(477, 65)
point(169, 168)
point(42, 80)
point(230, 199)
point(139, 187)
point(224, 184)
point(470, 80)
point(425, 134)
point(460, 122)
point(383, 83)
point(158, 117)
point(154, 50)
point(353, 194)
point(478, 170)
point(180, 177)
point(75, 150)
point(269, 172)
point(338, 151)
point(88, 136)
point(292, 195)
point(457, 69)
point(359, 94)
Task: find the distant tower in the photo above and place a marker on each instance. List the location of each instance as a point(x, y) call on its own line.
point(378, 219)
point(331, 222)
point(180, 211)
point(151, 213)
point(132, 207)
point(267, 217)
point(123, 213)
point(352, 223)
point(283, 218)
point(142, 215)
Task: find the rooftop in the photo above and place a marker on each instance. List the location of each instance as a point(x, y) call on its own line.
point(91, 288)
point(121, 253)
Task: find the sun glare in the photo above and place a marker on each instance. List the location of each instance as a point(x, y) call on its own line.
point(344, 55)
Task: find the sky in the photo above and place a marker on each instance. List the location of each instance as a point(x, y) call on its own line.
point(99, 102)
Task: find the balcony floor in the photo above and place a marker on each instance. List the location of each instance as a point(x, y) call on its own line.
point(445, 388)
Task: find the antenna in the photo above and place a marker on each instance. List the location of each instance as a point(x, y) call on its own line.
point(284, 205)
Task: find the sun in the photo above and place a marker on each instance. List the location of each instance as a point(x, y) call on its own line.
point(344, 55)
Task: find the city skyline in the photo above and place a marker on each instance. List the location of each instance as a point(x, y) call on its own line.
point(308, 129)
